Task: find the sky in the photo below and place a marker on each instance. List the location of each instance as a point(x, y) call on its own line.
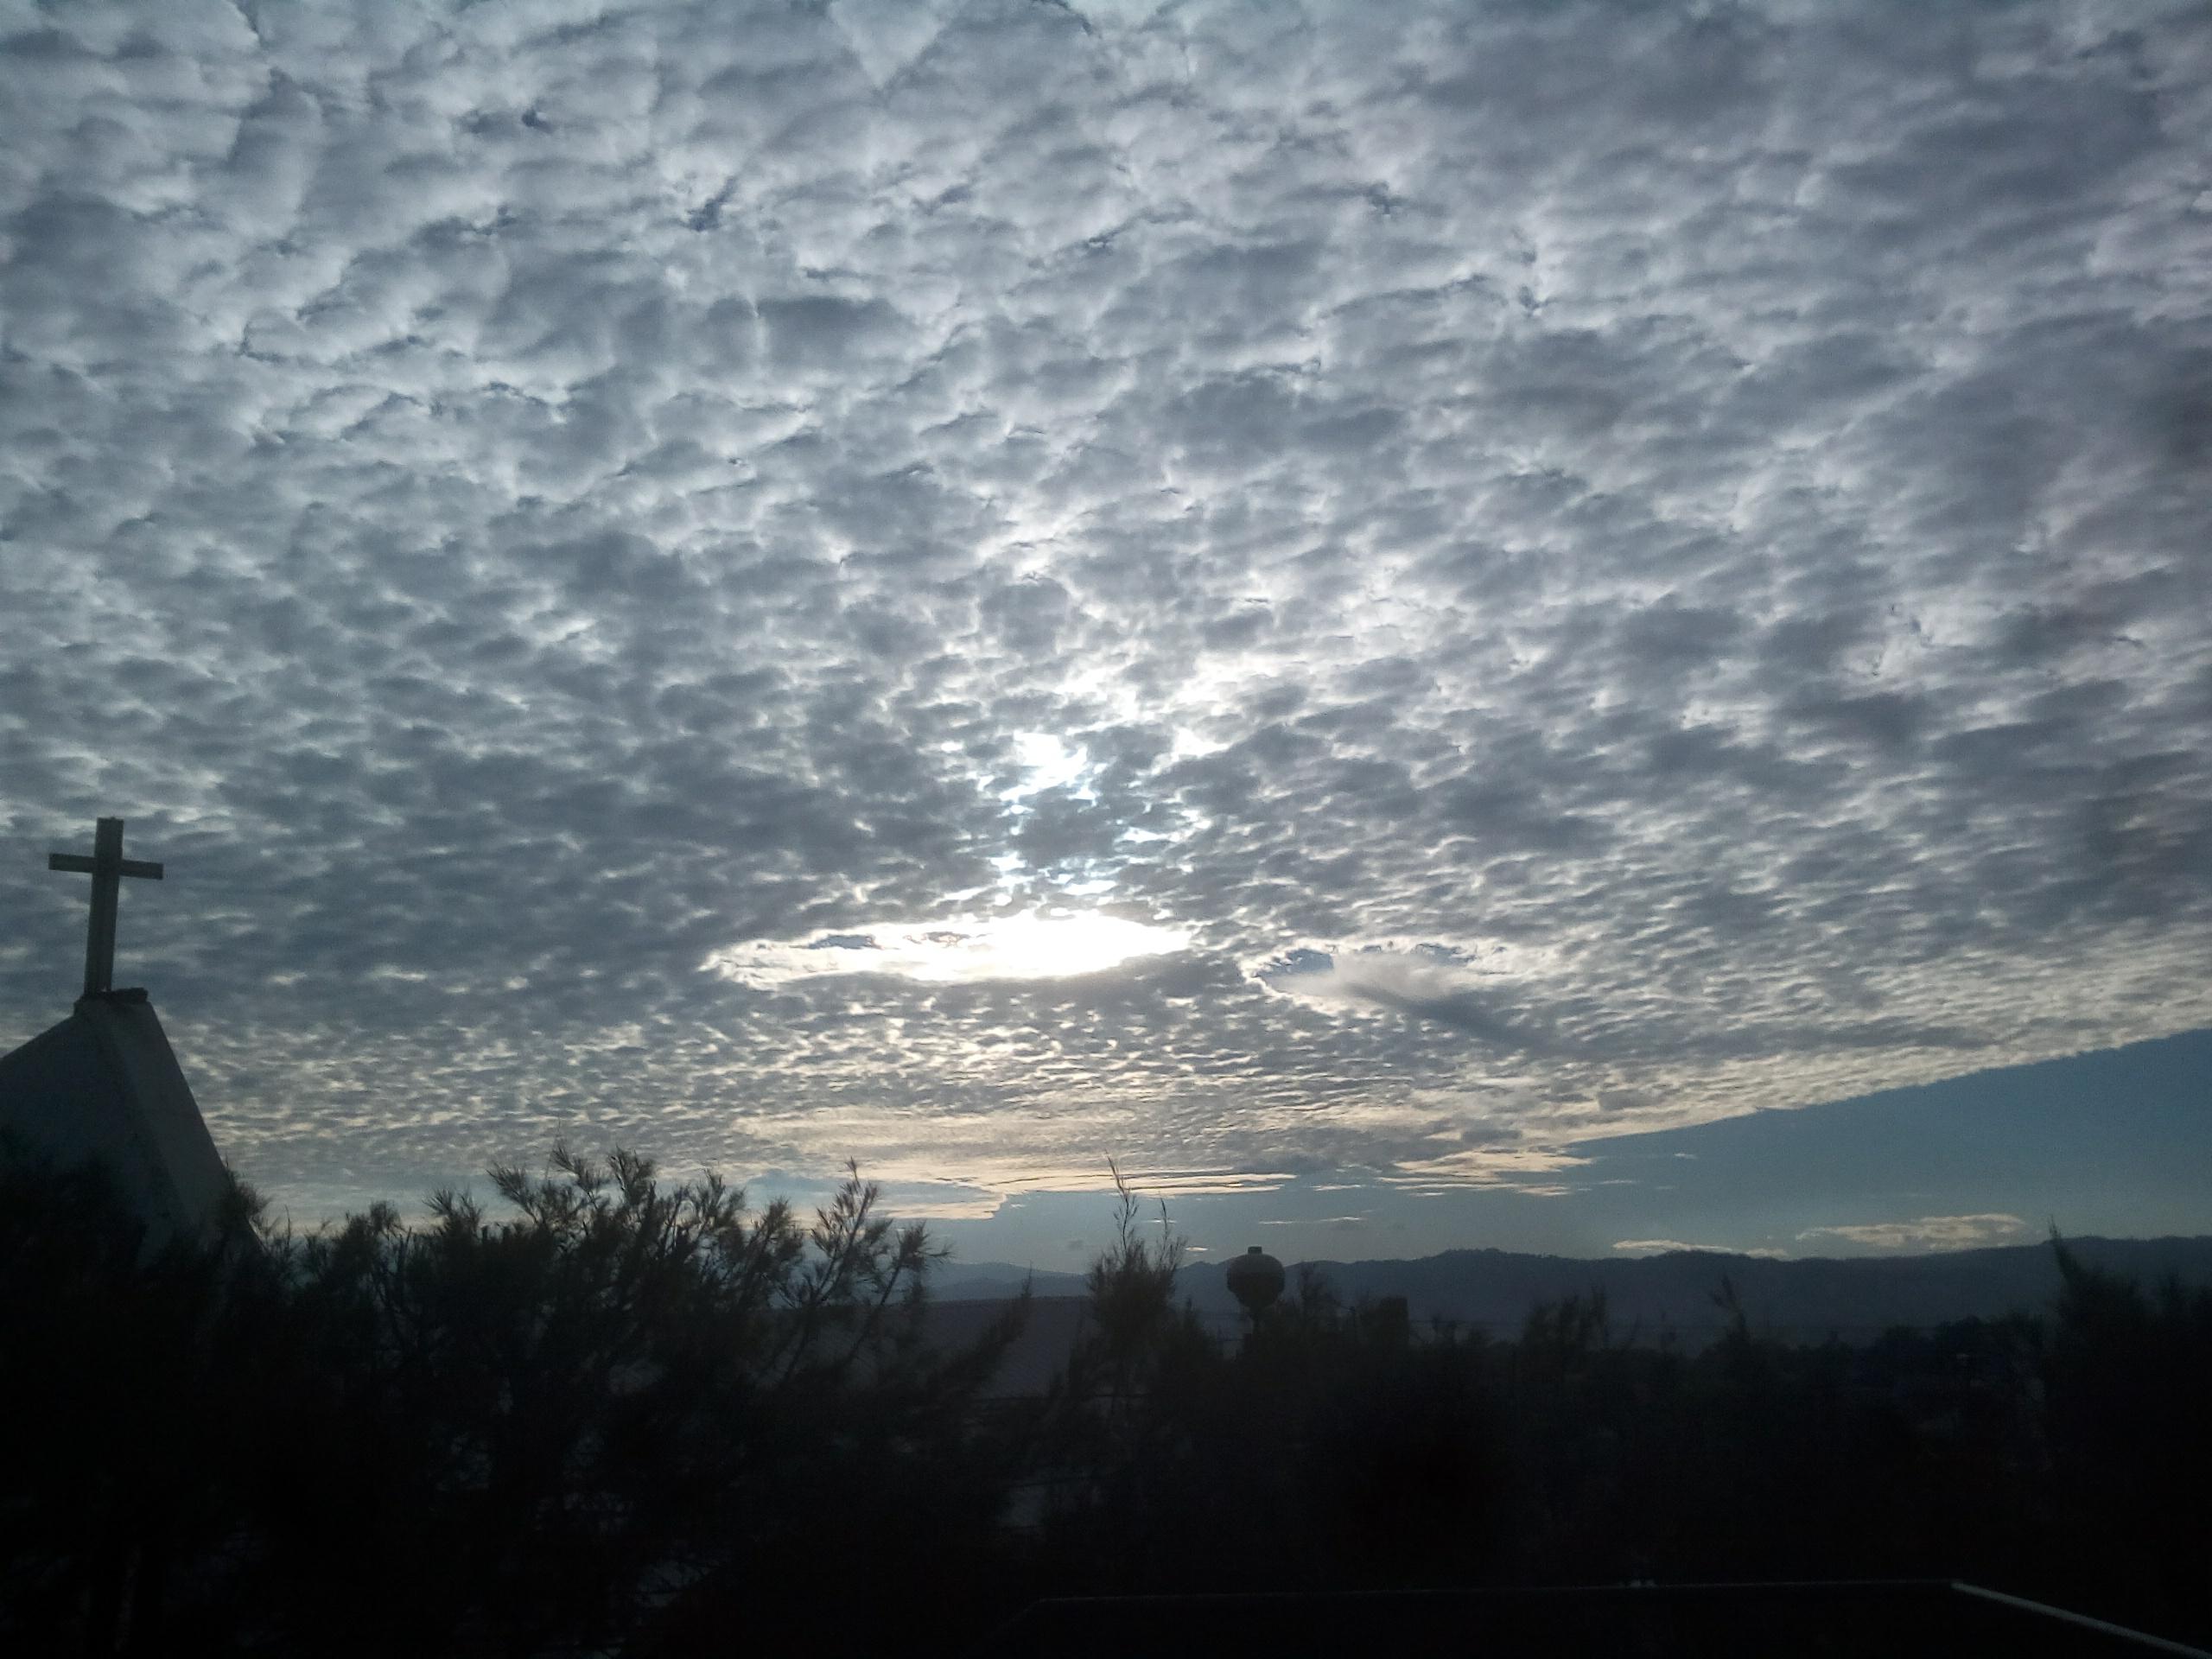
point(1428, 626)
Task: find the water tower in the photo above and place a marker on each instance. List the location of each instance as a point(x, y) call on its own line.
point(1256, 1279)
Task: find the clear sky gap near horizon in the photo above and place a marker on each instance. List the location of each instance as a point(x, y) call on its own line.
point(1566, 627)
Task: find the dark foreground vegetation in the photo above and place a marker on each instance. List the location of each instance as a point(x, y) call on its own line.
point(636, 1416)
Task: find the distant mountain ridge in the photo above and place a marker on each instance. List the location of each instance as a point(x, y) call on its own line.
point(975, 1281)
point(1854, 1297)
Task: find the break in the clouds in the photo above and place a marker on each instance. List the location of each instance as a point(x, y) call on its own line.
point(1022, 946)
point(1259, 588)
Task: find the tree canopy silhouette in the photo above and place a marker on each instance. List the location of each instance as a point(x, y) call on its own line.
point(610, 1412)
point(621, 1404)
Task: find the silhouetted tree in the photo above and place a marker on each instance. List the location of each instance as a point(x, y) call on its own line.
point(2129, 1375)
point(115, 1361)
point(630, 1401)
point(636, 1415)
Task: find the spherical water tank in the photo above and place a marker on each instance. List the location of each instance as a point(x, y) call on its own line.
point(1256, 1279)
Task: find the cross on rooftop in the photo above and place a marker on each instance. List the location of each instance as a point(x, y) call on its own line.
point(107, 866)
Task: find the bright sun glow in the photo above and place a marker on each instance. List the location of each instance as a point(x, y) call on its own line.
point(1050, 762)
point(1029, 946)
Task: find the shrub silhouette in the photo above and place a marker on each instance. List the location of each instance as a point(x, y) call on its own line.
point(2130, 1442)
point(613, 1412)
point(1333, 1447)
point(636, 1415)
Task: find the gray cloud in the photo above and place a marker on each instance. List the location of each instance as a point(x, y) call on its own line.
point(1675, 542)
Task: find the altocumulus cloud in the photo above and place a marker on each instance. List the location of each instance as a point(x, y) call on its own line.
point(1532, 570)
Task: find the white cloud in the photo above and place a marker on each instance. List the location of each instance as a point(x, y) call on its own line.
point(1667, 1246)
point(1926, 1233)
point(1520, 1167)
